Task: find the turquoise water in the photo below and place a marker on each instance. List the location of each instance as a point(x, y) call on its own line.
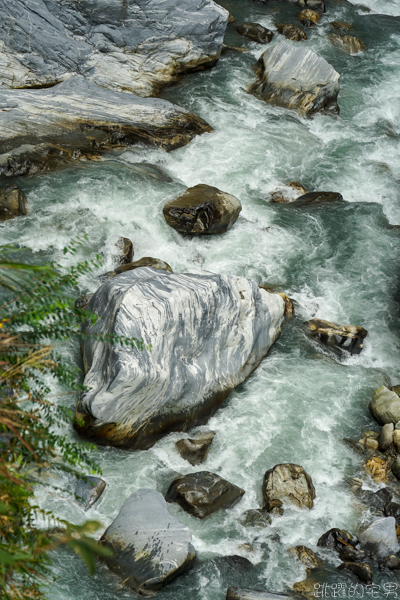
point(337, 262)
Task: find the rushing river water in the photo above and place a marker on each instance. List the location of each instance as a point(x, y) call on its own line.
point(338, 262)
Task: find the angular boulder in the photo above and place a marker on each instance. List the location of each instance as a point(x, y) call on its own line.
point(348, 43)
point(147, 261)
point(202, 210)
point(125, 251)
point(234, 593)
point(308, 17)
point(88, 490)
point(291, 32)
point(255, 32)
point(203, 493)
point(297, 78)
point(198, 335)
point(289, 483)
point(345, 337)
point(311, 198)
point(43, 129)
point(255, 517)
point(195, 450)
point(150, 546)
point(385, 406)
point(126, 46)
point(336, 539)
point(12, 202)
point(379, 539)
point(306, 556)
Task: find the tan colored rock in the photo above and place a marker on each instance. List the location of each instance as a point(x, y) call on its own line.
point(297, 186)
point(341, 25)
point(306, 556)
point(291, 32)
point(346, 337)
point(348, 43)
point(371, 444)
point(290, 483)
point(308, 17)
point(12, 202)
point(377, 468)
point(289, 308)
point(147, 261)
point(396, 439)
point(385, 406)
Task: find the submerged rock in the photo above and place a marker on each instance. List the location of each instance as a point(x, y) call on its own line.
point(360, 570)
point(234, 593)
point(311, 198)
point(255, 32)
point(291, 32)
point(298, 78)
point(379, 539)
point(202, 335)
point(353, 555)
point(348, 43)
point(88, 490)
point(391, 563)
point(306, 556)
point(126, 46)
point(125, 248)
point(201, 210)
point(203, 493)
point(289, 483)
point(255, 517)
point(195, 450)
point(336, 539)
point(12, 202)
point(147, 261)
point(385, 406)
point(346, 337)
point(308, 17)
point(151, 546)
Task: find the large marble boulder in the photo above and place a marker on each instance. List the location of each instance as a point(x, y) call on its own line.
point(289, 483)
point(385, 406)
point(298, 78)
point(42, 129)
point(137, 46)
point(198, 335)
point(202, 210)
point(150, 546)
point(12, 202)
point(379, 539)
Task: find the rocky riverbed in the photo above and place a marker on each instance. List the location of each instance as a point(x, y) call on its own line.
point(306, 173)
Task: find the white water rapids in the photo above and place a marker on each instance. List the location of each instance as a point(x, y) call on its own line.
point(338, 262)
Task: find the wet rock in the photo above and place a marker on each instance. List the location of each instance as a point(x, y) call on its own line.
point(297, 78)
point(133, 46)
point(338, 25)
point(392, 509)
point(82, 302)
point(385, 439)
point(370, 444)
point(312, 198)
point(396, 389)
point(377, 468)
point(256, 517)
point(195, 450)
point(390, 563)
point(379, 539)
point(13, 202)
point(203, 493)
point(80, 119)
point(306, 556)
point(317, 5)
point(289, 306)
point(396, 439)
point(255, 32)
point(227, 48)
point(308, 17)
point(345, 337)
point(348, 43)
point(379, 499)
point(151, 546)
point(289, 193)
point(360, 570)
point(231, 19)
point(234, 593)
point(291, 32)
point(147, 261)
point(274, 507)
point(125, 249)
point(88, 490)
point(201, 210)
point(336, 539)
point(396, 467)
point(352, 555)
point(385, 406)
point(289, 483)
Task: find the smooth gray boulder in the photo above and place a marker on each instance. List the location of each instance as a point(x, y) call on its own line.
point(234, 593)
point(43, 129)
point(385, 406)
point(136, 46)
point(198, 335)
point(379, 539)
point(12, 202)
point(385, 439)
point(298, 78)
point(151, 546)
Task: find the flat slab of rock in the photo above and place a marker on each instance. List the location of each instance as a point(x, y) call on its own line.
point(203, 493)
point(255, 32)
point(195, 450)
point(126, 46)
point(201, 210)
point(42, 129)
point(234, 593)
point(199, 335)
point(298, 78)
point(147, 261)
point(345, 337)
point(151, 546)
point(312, 198)
point(290, 483)
point(379, 539)
point(385, 406)
point(12, 202)
point(88, 490)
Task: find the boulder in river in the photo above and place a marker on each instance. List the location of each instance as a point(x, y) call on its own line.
point(255, 517)
point(336, 539)
point(346, 337)
point(306, 556)
point(385, 439)
point(12, 202)
point(385, 406)
point(290, 483)
point(308, 17)
point(318, 5)
point(235, 593)
point(377, 468)
point(44, 129)
point(255, 32)
point(202, 210)
point(88, 490)
point(291, 32)
point(348, 43)
point(297, 78)
point(195, 450)
point(151, 546)
point(311, 198)
point(392, 509)
point(126, 46)
point(125, 249)
point(203, 493)
point(147, 261)
point(289, 193)
point(360, 570)
point(379, 539)
point(198, 335)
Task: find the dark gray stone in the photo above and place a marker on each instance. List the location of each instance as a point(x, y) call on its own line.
point(203, 493)
point(385, 439)
point(385, 406)
point(234, 593)
point(125, 248)
point(379, 499)
point(12, 202)
point(345, 337)
point(255, 32)
point(195, 450)
point(379, 539)
point(312, 198)
point(126, 46)
point(151, 546)
point(353, 555)
point(336, 539)
point(83, 301)
point(289, 483)
point(183, 372)
point(390, 563)
point(360, 570)
point(298, 78)
point(256, 517)
point(396, 467)
point(392, 509)
point(88, 490)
